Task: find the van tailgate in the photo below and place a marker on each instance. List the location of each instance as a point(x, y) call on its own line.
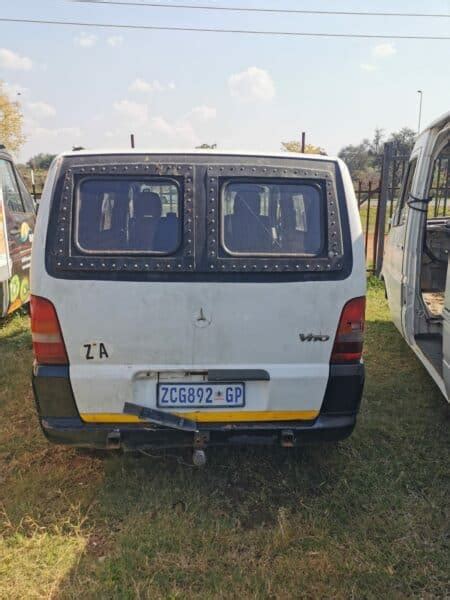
point(126, 335)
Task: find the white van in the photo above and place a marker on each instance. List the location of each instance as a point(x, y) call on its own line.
point(197, 298)
point(415, 264)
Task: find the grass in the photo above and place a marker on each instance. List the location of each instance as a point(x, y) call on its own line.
point(363, 519)
point(369, 215)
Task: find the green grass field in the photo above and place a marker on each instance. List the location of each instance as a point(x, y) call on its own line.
point(366, 518)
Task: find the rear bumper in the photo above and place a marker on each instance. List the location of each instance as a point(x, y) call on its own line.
point(62, 424)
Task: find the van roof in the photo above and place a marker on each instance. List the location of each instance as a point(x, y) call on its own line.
point(439, 122)
point(206, 152)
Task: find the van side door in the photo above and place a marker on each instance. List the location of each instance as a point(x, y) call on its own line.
point(5, 262)
point(19, 218)
point(393, 262)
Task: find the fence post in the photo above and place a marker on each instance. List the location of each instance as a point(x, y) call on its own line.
point(382, 204)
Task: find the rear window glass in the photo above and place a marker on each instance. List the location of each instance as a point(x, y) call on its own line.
point(272, 218)
point(128, 215)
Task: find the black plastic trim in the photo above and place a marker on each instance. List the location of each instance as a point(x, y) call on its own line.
point(74, 432)
point(53, 392)
point(344, 389)
point(227, 375)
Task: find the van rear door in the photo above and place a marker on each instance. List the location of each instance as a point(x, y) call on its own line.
point(234, 275)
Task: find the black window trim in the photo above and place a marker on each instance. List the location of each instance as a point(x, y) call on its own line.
point(440, 144)
point(332, 257)
point(268, 181)
point(402, 205)
point(194, 262)
point(122, 252)
point(64, 257)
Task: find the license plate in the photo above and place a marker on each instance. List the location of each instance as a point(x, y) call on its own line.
point(201, 395)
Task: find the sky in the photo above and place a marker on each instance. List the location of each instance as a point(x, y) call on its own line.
point(92, 87)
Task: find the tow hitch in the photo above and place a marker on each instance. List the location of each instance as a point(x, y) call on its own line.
point(199, 455)
point(287, 438)
point(113, 440)
point(158, 417)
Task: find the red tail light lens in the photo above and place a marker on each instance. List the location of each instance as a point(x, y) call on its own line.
point(348, 344)
point(48, 343)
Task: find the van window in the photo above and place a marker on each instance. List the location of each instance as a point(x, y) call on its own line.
point(128, 216)
point(439, 188)
point(402, 207)
point(27, 200)
point(272, 218)
point(11, 194)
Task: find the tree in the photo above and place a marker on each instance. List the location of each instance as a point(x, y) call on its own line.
point(357, 157)
point(295, 146)
point(376, 145)
point(11, 122)
point(206, 147)
point(376, 149)
point(364, 160)
point(403, 140)
point(41, 161)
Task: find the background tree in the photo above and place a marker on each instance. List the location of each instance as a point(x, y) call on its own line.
point(376, 145)
point(41, 161)
point(11, 122)
point(403, 140)
point(376, 149)
point(357, 157)
point(296, 146)
point(206, 147)
point(364, 160)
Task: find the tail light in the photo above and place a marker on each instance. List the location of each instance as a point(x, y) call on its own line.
point(348, 343)
point(48, 343)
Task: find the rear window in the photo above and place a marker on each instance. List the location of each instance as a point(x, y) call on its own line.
point(128, 216)
point(272, 218)
point(174, 217)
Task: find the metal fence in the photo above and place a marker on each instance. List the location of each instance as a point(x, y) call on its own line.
point(377, 202)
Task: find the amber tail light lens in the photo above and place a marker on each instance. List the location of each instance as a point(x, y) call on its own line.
point(348, 344)
point(48, 343)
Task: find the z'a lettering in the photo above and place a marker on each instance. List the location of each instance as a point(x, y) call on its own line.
point(95, 351)
point(311, 337)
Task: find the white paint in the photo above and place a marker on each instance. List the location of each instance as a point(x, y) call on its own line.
point(403, 256)
point(154, 326)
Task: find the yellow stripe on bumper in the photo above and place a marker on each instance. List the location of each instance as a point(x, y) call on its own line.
point(211, 417)
point(109, 418)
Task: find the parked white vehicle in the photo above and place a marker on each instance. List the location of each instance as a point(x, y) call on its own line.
point(197, 298)
point(415, 265)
